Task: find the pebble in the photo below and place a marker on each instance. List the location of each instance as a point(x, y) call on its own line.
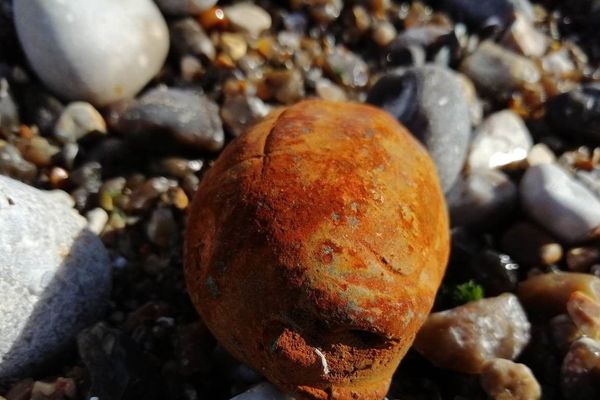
point(525, 39)
point(326, 11)
point(37, 150)
point(9, 115)
point(191, 117)
point(548, 190)
point(184, 7)
point(580, 371)
point(263, 391)
point(77, 120)
point(540, 153)
point(585, 314)
point(248, 17)
point(481, 199)
point(475, 104)
point(409, 47)
point(328, 90)
point(55, 277)
point(125, 45)
point(497, 273)
point(96, 220)
point(384, 33)
point(13, 164)
point(531, 246)
point(485, 13)
point(161, 228)
point(502, 140)
point(287, 86)
point(431, 103)
point(145, 194)
point(346, 68)
point(496, 70)
point(233, 45)
point(580, 259)
point(507, 380)
point(465, 338)
point(577, 112)
point(240, 111)
point(189, 38)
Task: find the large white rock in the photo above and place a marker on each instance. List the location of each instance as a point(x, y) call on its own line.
point(559, 203)
point(94, 50)
point(54, 276)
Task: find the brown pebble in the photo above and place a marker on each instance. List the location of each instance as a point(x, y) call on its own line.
point(507, 380)
point(580, 259)
point(58, 177)
point(585, 314)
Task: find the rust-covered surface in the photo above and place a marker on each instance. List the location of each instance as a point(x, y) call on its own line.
point(315, 246)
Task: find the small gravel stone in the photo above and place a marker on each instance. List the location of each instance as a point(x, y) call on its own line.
point(248, 17)
point(531, 246)
point(125, 45)
point(585, 314)
point(240, 111)
point(506, 380)
point(548, 190)
point(37, 150)
point(161, 228)
point(524, 38)
point(500, 141)
point(97, 220)
point(430, 101)
point(184, 7)
point(9, 116)
point(498, 71)
point(234, 45)
point(481, 199)
point(144, 195)
point(189, 38)
point(580, 259)
point(577, 112)
point(466, 337)
point(13, 164)
point(191, 117)
point(287, 86)
point(262, 391)
point(77, 120)
point(347, 68)
point(409, 47)
point(540, 154)
point(54, 277)
point(580, 371)
point(328, 90)
point(384, 33)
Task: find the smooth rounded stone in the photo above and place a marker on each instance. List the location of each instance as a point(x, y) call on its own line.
point(531, 246)
point(559, 203)
point(287, 86)
point(347, 68)
point(125, 44)
point(577, 112)
point(146, 193)
point(496, 70)
point(162, 228)
point(500, 141)
point(9, 114)
point(524, 38)
point(466, 337)
point(547, 295)
point(328, 90)
point(585, 314)
point(481, 199)
point(233, 45)
point(540, 153)
point(191, 117)
point(12, 163)
point(240, 111)
point(248, 17)
point(189, 38)
point(55, 277)
point(507, 380)
point(384, 33)
point(263, 391)
point(184, 7)
point(77, 120)
point(37, 150)
point(580, 371)
point(430, 102)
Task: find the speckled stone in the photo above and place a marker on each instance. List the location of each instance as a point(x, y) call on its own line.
point(54, 277)
point(125, 44)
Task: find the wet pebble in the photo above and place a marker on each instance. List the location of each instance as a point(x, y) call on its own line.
point(55, 277)
point(548, 190)
point(577, 112)
point(507, 380)
point(347, 68)
point(531, 246)
point(240, 111)
point(431, 102)
point(498, 71)
point(465, 338)
point(502, 140)
point(189, 38)
point(481, 199)
point(262, 391)
point(77, 120)
point(580, 371)
point(125, 45)
point(13, 164)
point(184, 7)
point(248, 17)
point(191, 117)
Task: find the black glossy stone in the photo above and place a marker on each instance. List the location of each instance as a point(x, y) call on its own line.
point(576, 112)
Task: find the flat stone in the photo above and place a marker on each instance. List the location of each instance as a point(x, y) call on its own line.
point(125, 44)
point(559, 203)
point(500, 141)
point(55, 277)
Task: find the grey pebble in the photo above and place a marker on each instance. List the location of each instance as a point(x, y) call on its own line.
point(559, 203)
point(188, 115)
point(125, 44)
point(77, 120)
point(240, 111)
point(12, 163)
point(346, 67)
point(55, 277)
point(9, 114)
point(431, 102)
point(481, 199)
point(501, 140)
point(184, 7)
point(189, 38)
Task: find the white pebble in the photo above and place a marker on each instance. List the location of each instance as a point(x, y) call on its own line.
point(248, 17)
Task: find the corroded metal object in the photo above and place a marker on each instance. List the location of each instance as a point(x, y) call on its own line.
point(315, 246)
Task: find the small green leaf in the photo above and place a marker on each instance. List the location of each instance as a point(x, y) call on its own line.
point(466, 292)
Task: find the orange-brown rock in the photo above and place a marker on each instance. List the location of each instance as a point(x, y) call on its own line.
point(315, 246)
